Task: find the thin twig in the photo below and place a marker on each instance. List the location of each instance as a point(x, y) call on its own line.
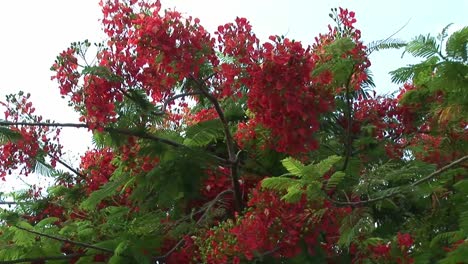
point(70, 168)
point(170, 99)
point(389, 37)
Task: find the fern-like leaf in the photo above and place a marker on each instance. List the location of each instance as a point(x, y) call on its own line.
point(446, 237)
point(108, 189)
point(203, 133)
point(457, 45)
point(423, 46)
point(293, 166)
point(335, 179)
point(385, 44)
point(277, 183)
point(294, 194)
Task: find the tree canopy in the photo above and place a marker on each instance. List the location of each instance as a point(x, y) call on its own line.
point(220, 148)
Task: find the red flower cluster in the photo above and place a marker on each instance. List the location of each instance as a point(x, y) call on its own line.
point(200, 116)
point(98, 168)
point(270, 225)
point(34, 142)
point(405, 240)
point(283, 97)
point(240, 46)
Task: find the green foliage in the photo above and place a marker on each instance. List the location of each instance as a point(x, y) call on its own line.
point(388, 43)
point(8, 135)
point(457, 45)
point(359, 223)
point(438, 72)
point(308, 179)
point(204, 133)
point(423, 46)
point(335, 179)
point(107, 190)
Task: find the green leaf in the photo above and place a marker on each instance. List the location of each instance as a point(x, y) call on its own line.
point(446, 237)
point(294, 194)
point(122, 247)
point(46, 221)
point(335, 179)
point(355, 225)
point(293, 166)
point(314, 190)
point(326, 164)
point(462, 186)
point(459, 255)
point(22, 237)
point(115, 259)
point(203, 133)
point(85, 260)
point(101, 71)
point(423, 46)
point(277, 183)
point(385, 44)
point(108, 189)
point(42, 168)
point(463, 222)
point(457, 45)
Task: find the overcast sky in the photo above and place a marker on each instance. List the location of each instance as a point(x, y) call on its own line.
point(34, 32)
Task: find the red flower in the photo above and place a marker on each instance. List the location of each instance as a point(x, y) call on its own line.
point(381, 250)
point(405, 240)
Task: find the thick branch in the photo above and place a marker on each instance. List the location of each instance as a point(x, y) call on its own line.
point(40, 259)
point(85, 245)
point(234, 163)
point(424, 179)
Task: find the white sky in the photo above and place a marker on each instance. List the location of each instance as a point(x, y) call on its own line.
point(35, 32)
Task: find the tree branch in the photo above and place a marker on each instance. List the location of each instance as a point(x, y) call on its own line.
point(70, 168)
point(424, 179)
point(170, 99)
point(234, 162)
point(85, 245)
point(122, 131)
point(349, 141)
point(39, 259)
point(8, 203)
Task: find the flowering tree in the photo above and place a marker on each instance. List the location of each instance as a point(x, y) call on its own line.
point(222, 149)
